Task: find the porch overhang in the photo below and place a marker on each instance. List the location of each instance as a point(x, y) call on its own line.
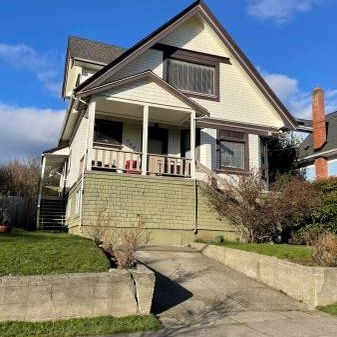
point(56, 157)
point(138, 79)
point(215, 123)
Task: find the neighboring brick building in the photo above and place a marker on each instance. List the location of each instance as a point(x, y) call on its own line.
point(318, 152)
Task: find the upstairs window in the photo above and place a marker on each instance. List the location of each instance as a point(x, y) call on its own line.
point(191, 77)
point(232, 151)
point(108, 133)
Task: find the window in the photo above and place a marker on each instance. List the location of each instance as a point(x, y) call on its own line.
point(192, 77)
point(232, 151)
point(108, 132)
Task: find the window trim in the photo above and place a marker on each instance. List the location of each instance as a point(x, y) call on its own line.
point(196, 58)
point(244, 141)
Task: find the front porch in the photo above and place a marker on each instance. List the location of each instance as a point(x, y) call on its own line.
point(131, 138)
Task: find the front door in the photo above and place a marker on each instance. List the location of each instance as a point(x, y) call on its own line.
point(158, 140)
point(157, 146)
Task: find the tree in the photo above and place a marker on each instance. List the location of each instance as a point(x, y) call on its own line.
point(282, 156)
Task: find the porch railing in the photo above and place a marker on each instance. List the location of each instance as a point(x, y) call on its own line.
point(119, 161)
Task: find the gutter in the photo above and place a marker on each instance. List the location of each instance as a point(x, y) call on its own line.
point(319, 154)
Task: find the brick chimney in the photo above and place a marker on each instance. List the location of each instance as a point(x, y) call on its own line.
point(319, 131)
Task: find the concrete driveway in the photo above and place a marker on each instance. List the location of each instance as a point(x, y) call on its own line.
point(196, 296)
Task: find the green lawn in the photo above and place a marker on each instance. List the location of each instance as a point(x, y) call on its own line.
point(80, 327)
point(32, 253)
point(300, 254)
point(329, 309)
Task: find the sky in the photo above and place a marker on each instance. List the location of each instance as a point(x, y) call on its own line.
point(293, 43)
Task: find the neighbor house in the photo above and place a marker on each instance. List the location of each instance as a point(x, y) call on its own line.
point(145, 125)
point(318, 151)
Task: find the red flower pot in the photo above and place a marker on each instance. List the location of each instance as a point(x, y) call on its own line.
point(4, 229)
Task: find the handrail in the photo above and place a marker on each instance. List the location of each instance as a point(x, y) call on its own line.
point(121, 161)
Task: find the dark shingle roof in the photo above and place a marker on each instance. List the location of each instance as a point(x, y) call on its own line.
point(307, 147)
point(92, 50)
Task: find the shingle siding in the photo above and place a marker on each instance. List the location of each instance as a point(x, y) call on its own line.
point(164, 205)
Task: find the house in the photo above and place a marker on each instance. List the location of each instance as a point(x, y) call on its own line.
point(318, 151)
point(145, 125)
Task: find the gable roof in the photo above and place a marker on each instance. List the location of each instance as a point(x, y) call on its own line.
point(152, 77)
point(90, 51)
point(197, 7)
point(306, 148)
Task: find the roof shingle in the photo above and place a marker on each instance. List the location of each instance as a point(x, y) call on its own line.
point(94, 51)
point(307, 147)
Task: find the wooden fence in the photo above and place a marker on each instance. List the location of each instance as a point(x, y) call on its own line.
point(21, 211)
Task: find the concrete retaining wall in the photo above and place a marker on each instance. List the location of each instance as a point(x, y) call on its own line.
point(51, 297)
point(167, 206)
point(312, 285)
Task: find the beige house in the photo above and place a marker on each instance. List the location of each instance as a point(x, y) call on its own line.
point(145, 125)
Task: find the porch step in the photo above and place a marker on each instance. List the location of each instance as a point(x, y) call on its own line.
point(52, 215)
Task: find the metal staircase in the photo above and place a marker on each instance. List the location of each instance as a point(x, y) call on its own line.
point(52, 214)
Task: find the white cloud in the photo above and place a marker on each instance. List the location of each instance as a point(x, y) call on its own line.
point(297, 100)
point(44, 66)
point(279, 10)
point(27, 130)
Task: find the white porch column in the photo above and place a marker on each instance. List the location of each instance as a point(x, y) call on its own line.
point(90, 137)
point(192, 142)
point(145, 138)
point(43, 168)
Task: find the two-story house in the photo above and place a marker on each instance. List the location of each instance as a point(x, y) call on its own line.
point(144, 125)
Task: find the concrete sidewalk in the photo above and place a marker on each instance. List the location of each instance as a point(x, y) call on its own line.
point(196, 296)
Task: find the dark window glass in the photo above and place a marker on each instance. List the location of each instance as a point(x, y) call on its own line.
point(232, 147)
point(232, 154)
point(108, 132)
point(191, 77)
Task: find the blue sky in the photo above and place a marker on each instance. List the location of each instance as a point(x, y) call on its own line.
point(292, 42)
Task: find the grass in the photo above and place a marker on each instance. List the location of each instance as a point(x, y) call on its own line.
point(80, 327)
point(329, 309)
point(294, 253)
point(33, 253)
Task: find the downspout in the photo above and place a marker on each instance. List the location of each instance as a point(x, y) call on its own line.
point(82, 188)
point(195, 210)
point(38, 211)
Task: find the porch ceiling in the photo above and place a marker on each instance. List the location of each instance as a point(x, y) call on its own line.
point(55, 160)
point(128, 110)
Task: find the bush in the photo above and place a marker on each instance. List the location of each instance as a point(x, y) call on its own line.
point(326, 214)
point(219, 239)
point(307, 235)
point(325, 250)
point(120, 243)
point(261, 216)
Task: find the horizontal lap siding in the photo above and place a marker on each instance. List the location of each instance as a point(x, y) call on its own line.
point(147, 91)
point(150, 60)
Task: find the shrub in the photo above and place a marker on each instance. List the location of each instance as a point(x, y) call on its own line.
point(261, 216)
point(307, 235)
point(326, 214)
point(325, 250)
point(121, 243)
point(219, 239)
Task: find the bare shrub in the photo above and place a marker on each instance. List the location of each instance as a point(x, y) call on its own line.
point(121, 243)
point(20, 177)
point(261, 216)
point(325, 250)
